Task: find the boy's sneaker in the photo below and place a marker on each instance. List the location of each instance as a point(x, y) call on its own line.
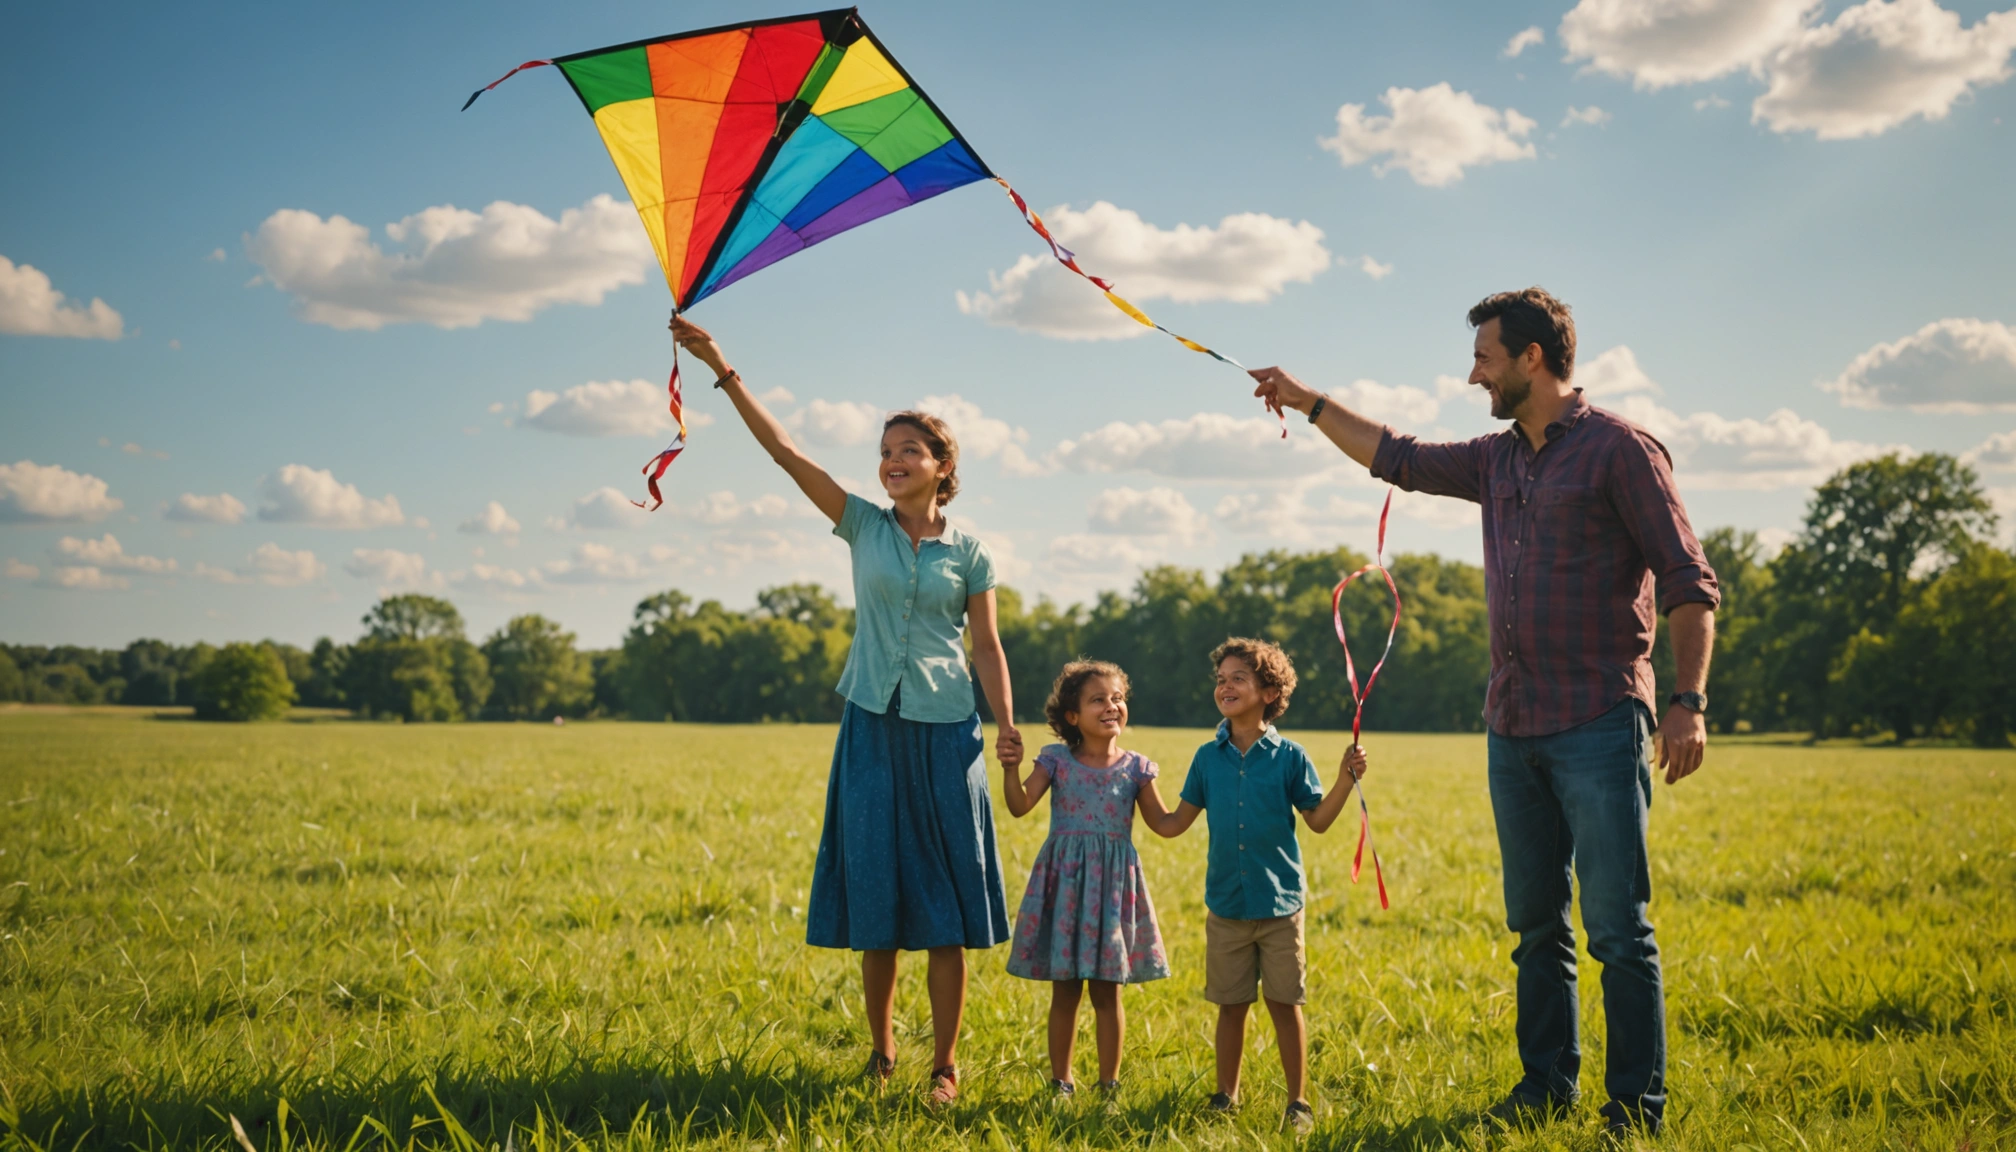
point(1220, 1102)
point(1063, 1088)
point(1300, 1118)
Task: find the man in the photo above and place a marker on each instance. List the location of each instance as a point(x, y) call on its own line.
point(1584, 536)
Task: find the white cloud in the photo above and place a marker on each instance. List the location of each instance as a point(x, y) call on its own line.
point(1300, 516)
point(1530, 38)
point(222, 508)
point(1432, 134)
point(1996, 452)
point(596, 564)
point(1783, 450)
point(492, 521)
point(269, 564)
point(1248, 257)
point(83, 578)
point(1108, 557)
point(1591, 115)
point(1374, 268)
point(1879, 64)
point(107, 552)
point(32, 493)
point(603, 508)
point(1949, 365)
point(31, 306)
point(298, 494)
point(981, 437)
point(1615, 373)
point(607, 408)
point(1155, 512)
point(725, 508)
point(391, 568)
point(453, 268)
point(1388, 403)
point(132, 449)
point(501, 579)
point(1658, 43)
point(15, 570)
point(1710, 101)
point(837, 423)
point(1207, 446)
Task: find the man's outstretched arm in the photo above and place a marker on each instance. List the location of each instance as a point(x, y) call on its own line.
point(1357, 436)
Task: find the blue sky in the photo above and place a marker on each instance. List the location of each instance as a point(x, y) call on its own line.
point(1783, 227)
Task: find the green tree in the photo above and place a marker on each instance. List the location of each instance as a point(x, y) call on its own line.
point(244, 682)
point(414, 662)
point(324, 687)
point(412, 616)
point(11, 686)
point(537, 672)
point(148, 667)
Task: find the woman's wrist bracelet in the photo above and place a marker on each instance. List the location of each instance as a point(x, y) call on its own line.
point(731, 374)
point(1316, 409)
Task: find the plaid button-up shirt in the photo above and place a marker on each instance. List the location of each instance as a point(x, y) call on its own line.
point(1578, 538)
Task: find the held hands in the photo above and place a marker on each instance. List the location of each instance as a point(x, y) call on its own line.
point(1281, 391)
point(699, 342)
point(1683, 741)
point(1008, 746)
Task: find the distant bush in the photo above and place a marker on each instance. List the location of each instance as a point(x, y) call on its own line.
point(244, 682)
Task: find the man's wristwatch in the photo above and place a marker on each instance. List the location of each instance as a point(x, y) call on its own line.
point(1692, 701)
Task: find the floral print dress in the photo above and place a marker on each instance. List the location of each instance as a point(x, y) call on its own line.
point(1086, 914)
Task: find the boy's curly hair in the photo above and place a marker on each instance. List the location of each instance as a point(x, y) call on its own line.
point(1270, 665)
point(1064, 695)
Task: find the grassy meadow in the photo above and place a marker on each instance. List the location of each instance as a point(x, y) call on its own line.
point(351, 935)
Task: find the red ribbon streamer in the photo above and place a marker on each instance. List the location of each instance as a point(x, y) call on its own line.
point(1359, 697)
point(501, 79)
point(655, 469)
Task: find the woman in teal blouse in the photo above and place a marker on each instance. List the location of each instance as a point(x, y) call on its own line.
point(907, 858)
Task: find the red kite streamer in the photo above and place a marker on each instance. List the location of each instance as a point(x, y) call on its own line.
point(1359, 697)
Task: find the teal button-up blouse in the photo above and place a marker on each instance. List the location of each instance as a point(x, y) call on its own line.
point(910, 615)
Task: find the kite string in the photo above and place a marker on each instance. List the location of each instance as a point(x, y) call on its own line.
point(1358, 697)
point(1070, 260)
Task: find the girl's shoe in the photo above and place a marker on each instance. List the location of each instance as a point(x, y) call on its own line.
point(1221, 1102)
point(944, 1087)
point(879, 1069)
point(1109, 1087)
point(1063, 1088)
point(1300, 1119)
point(1109, 1097)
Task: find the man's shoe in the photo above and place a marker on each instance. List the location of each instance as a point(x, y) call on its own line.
point(1519, 1110)
point(1300, 1118)
point(1220, 1102)
point(1621, 1120)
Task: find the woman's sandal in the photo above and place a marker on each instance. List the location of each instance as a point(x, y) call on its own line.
point(879, 1069)
point(944, 1087)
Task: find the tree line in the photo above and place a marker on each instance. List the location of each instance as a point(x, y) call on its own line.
point(1893, 611)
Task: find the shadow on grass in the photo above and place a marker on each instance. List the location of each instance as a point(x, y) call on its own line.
point(649, 1102)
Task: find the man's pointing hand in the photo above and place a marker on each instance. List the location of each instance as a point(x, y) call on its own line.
point(1280, 391)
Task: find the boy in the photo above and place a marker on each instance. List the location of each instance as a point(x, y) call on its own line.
point(1252, 781)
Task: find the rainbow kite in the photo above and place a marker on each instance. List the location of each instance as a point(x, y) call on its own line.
point(743, 144)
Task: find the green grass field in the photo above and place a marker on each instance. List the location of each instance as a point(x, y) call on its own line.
point(359, 935)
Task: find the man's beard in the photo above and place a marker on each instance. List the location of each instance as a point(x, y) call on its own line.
point(1509, 395)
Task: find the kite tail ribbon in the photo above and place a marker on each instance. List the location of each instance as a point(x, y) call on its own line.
point(1358, 697)
point(501, 79)
point(655, 469)
point(1070, 260)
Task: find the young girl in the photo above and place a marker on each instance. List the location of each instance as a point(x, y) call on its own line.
point(1086, 914)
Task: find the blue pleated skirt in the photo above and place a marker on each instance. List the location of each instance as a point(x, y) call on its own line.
point(907, 858)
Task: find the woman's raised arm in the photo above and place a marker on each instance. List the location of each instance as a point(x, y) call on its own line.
point(817, 484)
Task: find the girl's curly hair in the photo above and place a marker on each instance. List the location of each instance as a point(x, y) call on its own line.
point(944, 446)
point(1065, 692)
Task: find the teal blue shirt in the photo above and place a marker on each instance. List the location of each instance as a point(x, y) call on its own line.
point(1254, 868)
point(910, 615)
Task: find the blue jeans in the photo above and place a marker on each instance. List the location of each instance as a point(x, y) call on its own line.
point(1579, 799)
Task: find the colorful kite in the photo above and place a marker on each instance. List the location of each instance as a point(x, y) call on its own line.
point(743, 144)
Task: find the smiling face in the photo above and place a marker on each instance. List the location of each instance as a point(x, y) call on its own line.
point(1239, 692)
point(1499, 372)
point(908, 468)
point(1102, 709)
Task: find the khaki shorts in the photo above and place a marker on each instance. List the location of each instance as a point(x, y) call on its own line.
point(1238, 954)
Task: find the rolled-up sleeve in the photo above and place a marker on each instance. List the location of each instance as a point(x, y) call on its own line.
point(1453, 469)
point(1644, 494)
